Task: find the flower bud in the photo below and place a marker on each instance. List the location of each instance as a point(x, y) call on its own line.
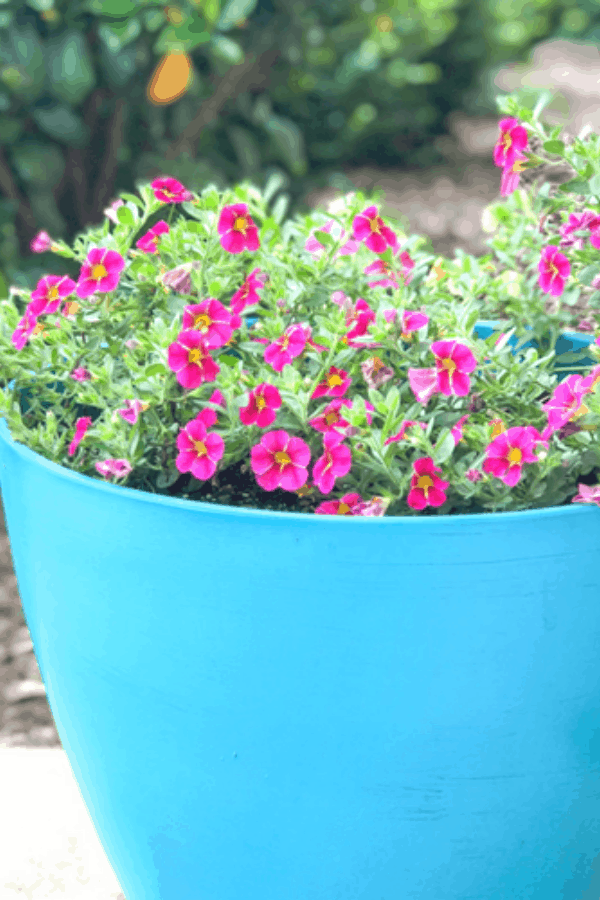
point(179, 279)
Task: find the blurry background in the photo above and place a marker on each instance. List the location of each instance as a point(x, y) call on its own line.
point(325, 96)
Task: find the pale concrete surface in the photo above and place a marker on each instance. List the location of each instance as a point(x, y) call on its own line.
point(48, 845)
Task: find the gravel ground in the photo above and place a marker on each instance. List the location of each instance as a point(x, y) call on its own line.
point(445, 203)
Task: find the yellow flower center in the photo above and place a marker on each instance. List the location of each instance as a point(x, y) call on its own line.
point(343, 509)
point(334, 380)
point(425, 483)
point(199, 448)
point(261, 402)
point(377, 364)
point(240, 223)
point(514, 456)
point(580, 412)
point(282, 458)
point(53, 293)
point(450, 365)
point(331, 417)
point(499, 427)
point(195, 355)
point(202, 323)
point(99, 272)
point(375, 224)
point(507, 141)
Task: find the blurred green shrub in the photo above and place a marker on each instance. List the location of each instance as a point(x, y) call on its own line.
point(290, 88)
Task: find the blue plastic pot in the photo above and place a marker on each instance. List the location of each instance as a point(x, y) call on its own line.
point(275, 706)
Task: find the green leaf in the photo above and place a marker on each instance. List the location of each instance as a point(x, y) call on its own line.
point(443, 447)
point(228, 360)
point(587, 275)
point(10, 129)
point(70, 67)
point(116, 8)
point(280, 208)
point(595, 185)
point(575, 187)
point(62, 124)
point(289, 141)
point(182, 39)
point(235, 11)
point(42, 164)
point(116, 36)
point(125, 217)
point(323, 238)
point(227, 50)
point(132, 198)
point(155, 369)
point(556, 147)
point(24, 72)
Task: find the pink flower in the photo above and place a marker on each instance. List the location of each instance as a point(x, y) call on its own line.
point(554, 269)
point(423, 383)
point(247, 294)
point(41, 242)
point(426, 488)
point(369, 227)
point(25, 328)
point(343, 301)
point(330, 418)
point(380, 267)
point(585, 220)
point(473, 475)
point(316, 249)
point(100, 272)
point(280, 460)
point(189, 356)
point(335, 384)
point(457, 431)
point(341, 507)
point(178, 279)
point(81, 426)
point(507, 453)
point(169, 190)
point(453, 362)
point(211, 319)
point(361, 316)
point(374, 507)
point(264, 400)
point(565, 401)
point(117, 467)
point(511, 175)
point(81, 374)
point(407, 423)
point(375, 372)
point(412, 321)
point(111, 211)
point(588, 494)
point(132, 409)
point(512, 140)
point(149, 241)
point(238, 231)
point(335, 462)
point(286, 348)
point(200, 451)
point(49, 292)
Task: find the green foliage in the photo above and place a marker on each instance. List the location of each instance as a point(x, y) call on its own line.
point(354, 82)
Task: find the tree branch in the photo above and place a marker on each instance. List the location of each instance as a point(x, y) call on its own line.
point(236, 81)
point(10, 190)
point(105, 182)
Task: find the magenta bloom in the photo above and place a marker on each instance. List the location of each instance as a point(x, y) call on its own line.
point(81, 426)
point(335, 384)
point(280, 461)
point(585, 220)
point(169, 190)
point(316, 249)
point(190, 357)
point(149, 241)
point(119, 468)
point(286, 348)
point(507, 453)
point(264, 400)
point(100, 272)
point(588, 494)
point(564, 403)
point(211, 319)
point(24, 329)
point(380, 267)
point(511, 175)
point(247, 295)
point(200, 451)
point(554, 269)
point(131, 410)
point(412, 321)
point(343, 507)
point(335, 462)
point(512, 140)
point(423, 383)
point(453, 362)
point(369, 227)
point(457, 431)
point(426, 488)
point(41, 242)
point(330, 418)
point(407, 423)
point(238, 231)
point(49, 292)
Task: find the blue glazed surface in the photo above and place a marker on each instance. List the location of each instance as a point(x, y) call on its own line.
point(276, 706)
